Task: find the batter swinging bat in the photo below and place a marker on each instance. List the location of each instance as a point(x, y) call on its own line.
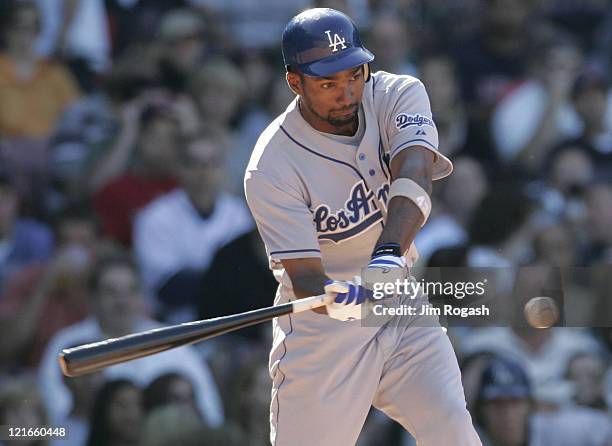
point(92, 357)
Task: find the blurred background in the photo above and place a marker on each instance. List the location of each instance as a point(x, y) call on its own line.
point(125, 128)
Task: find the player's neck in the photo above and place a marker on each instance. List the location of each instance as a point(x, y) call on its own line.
point(324, 126)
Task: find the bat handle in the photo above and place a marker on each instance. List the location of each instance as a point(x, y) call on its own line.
point(308, 303)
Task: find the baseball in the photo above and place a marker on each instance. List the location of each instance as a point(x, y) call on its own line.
point(541, 312)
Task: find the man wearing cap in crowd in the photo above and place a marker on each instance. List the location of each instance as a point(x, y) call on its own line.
point(506, 413)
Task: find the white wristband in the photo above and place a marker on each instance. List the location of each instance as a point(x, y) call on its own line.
point(410, 189)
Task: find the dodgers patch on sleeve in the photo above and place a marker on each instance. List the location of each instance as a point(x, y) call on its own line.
point(404, 120)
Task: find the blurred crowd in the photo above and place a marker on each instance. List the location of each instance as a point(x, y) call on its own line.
point(125, 128)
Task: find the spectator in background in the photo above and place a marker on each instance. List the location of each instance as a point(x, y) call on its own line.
point(250, 401)
point(602, 50)
point(118, 310)
point(139, 167)
point(545, 353)
point(583, 19)
point(83, 390)
point(598, 223)
point(117, 415)
point(274, 100)
point(171, 425)
point(252, 23)
point(259, 68)
point(21, 406)
point(459, 134)
point(587, 371)
point(592, 100)
point(500, 229)
point(217, 89)
point(183, 46)
point(149, 126)
point(177, 235)
point(499, 236)
point(504, 404)
point(493, 61)
point(49, 296)
point(170, 389)
point(359, 9)
point(459, 196)
point(505, 413)
point(561, 197)
point(472, 367)
point(33, 92)
point(174, 425)
point(86, 129)
point(135, 21)
point(23, 241)
point(460, 20)
point(529, 120)
point(77, 30)
point(253, 291)
point(555, 245)
point(389, 40)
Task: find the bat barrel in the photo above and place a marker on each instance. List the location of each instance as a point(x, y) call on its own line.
point(92, 357)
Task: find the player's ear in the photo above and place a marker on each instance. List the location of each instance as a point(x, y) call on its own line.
point(293, 80)
point(366, 71)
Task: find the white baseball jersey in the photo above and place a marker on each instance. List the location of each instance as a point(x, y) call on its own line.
point(319, 195)
point(314, 196)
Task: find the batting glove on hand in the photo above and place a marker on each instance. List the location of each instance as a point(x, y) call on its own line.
point(346, 298)
point(387, 266)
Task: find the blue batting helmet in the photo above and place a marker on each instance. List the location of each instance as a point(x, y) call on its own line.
point(321, 42)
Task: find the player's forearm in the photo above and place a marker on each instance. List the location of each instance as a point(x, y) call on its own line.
point(309, 284)
point(307, 276)
point(404, 218)
point(403, 222)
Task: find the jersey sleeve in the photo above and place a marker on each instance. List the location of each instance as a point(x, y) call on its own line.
point(283, 218)
point(410, 124)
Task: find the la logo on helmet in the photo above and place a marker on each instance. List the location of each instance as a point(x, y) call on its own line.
point(333, 43)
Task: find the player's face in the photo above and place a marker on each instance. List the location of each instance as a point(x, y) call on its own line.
point(330, 104)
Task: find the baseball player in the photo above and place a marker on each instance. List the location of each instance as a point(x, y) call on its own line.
point(341, 181)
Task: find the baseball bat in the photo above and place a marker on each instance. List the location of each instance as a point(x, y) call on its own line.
point(98, 355)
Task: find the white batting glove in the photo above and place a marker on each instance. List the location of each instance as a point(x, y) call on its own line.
point(387, 266)
point(346, 299)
